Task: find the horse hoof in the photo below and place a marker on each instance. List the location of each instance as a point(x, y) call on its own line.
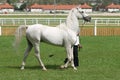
point(22, 68)
point(44, 69)
point(75, 68)
point(62, 67)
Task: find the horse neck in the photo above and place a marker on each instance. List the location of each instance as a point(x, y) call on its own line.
point(73, 23)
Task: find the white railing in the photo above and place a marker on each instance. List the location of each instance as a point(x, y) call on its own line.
point(95, 28)
point(53, 21)
point(114, 23)
point(29, 21)
point(107, 21)
point(95, 23)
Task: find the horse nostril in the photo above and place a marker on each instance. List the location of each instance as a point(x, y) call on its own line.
point(88, 18)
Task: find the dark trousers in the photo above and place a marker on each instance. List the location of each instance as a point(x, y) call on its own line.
point(75, 55)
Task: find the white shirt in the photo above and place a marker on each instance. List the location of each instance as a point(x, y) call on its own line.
point(77, 42)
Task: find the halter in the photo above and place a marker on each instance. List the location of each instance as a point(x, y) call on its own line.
point(81, 12)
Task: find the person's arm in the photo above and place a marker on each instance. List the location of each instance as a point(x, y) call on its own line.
point(78, 42)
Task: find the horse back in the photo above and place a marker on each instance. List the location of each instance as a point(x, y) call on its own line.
point(45, 33)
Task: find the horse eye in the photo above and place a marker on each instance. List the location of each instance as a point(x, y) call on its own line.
point(82, 11)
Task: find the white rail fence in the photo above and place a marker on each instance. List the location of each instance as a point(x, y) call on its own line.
point(29, 21)
point(107, 21)
point(53, 21)
point(95, 28)
point(110, 22)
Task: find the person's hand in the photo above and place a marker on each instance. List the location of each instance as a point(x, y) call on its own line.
point(79, 46)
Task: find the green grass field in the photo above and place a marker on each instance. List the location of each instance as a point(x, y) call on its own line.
point(99, 60)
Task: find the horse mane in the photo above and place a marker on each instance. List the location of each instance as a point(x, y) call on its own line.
point(72, 22)
point(64, 24)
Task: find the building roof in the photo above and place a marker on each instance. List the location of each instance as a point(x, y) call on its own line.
point(85, 6)
point(58, 7)
point(113, 6)
point(65, 7)
point(48, 7)
point(35, 6)
point(6, 6)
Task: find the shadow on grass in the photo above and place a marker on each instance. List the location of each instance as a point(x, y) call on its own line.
point(35, 67)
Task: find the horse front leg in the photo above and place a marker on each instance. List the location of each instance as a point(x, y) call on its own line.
point(37, 54)
point(72, 59)
point(67, 61)
point(69, 50)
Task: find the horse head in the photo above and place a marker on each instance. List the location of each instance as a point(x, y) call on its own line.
point(81, 14)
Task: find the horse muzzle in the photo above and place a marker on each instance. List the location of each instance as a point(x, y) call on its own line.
point(87, 18)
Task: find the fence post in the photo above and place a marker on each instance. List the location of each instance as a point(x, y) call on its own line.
point(2, 22)
point(36, 21)
point(60, 21)
point(95, 28)
point(118, 22)
point(13, 21)
point(48, 22)
point(25, 21)
point(0, 31)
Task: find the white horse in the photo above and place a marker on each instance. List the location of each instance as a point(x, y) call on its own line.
point(63, 35)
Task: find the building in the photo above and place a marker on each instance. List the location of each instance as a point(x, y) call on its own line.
point(113, 7)
point(57, 8)
point(35, 8)
point(6, 8)
point(86, 7)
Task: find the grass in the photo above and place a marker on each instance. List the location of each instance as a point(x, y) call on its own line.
point(99, 60)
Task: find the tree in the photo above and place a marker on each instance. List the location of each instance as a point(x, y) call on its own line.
point(116, 1)
point(8, 1)
point(23, 6)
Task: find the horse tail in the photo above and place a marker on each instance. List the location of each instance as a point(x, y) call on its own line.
point(18, 34)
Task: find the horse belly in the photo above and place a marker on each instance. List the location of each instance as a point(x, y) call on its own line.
point(53, 36)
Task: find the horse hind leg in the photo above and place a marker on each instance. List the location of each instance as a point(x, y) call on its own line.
point(37, 54)
point(28, 49)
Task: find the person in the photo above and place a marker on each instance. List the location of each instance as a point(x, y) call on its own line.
point(76, 46)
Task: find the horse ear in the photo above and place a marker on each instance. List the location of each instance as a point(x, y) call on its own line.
point(79, 6)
